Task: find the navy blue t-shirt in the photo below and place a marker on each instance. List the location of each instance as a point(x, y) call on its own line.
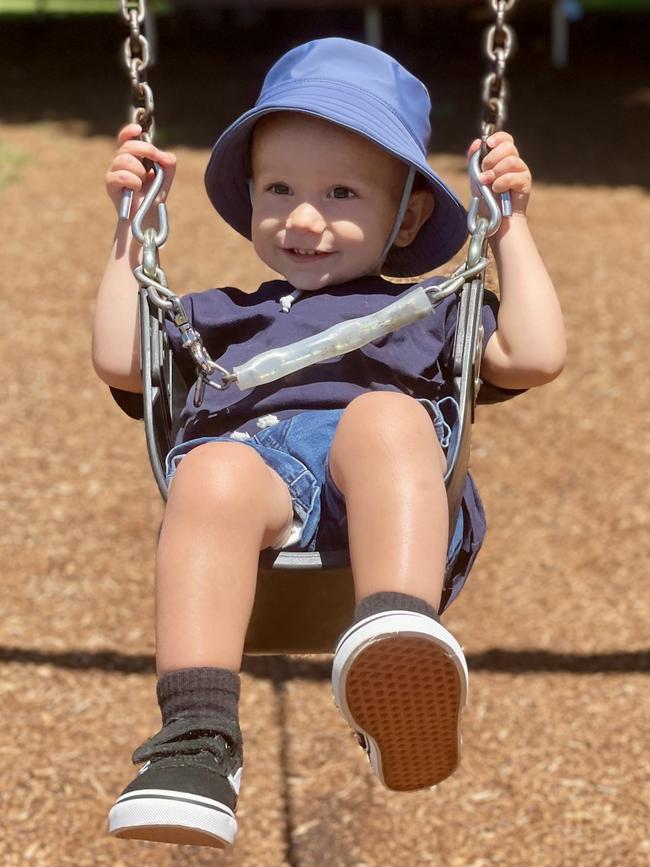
point(235, 326)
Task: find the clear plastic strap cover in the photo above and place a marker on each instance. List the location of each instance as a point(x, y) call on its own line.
point(337, 340)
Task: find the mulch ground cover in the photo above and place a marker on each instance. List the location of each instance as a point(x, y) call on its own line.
point(555, 619)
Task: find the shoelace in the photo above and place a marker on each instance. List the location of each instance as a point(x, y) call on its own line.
point(189, 736)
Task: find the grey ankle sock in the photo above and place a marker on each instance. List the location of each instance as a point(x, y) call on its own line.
point(386, 601)
point(198, 692)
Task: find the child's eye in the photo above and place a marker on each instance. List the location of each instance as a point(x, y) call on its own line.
point(342, 193)
point(279, 189)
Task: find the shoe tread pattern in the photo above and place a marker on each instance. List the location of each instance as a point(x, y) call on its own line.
point(405, 692)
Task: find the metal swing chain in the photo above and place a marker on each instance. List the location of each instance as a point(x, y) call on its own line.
point(136, 58)
point(499, 45)
point(150, 274)
point(499, 42)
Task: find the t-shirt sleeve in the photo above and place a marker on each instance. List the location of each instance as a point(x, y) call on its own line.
point(129, 402)
point(488, 393)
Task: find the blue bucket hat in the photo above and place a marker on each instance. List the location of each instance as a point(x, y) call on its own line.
point(368, 92)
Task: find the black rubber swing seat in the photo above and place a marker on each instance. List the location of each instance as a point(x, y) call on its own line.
point(303, 602)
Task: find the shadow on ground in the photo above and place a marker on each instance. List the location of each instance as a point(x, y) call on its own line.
point(281, 669)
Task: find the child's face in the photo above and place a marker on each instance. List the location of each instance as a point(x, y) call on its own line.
point(324, 200)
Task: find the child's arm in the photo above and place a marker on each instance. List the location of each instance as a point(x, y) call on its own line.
point(529, 346)
point(116, 342)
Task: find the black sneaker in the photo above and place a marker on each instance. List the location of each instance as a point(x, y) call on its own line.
point(187, 790)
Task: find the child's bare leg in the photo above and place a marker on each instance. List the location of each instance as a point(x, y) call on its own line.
point(387, 461)
point(398, 676)
point(225, 504)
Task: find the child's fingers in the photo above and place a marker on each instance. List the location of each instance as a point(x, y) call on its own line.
point(126, 172)
point(117, 179)
point(498, 138)
point(500, 152)
point(129, 142)
point(125, 160)
point(503, 170)
point(493, 141)
point(130, 131)
point(147, 150)
point(517, 182)
point(116, 185)
point(509, 163)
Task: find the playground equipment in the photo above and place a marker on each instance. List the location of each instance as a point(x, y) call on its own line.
point(319, 583)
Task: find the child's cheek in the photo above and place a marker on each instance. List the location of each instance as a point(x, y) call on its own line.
point(350, 231)
point(264, 228)
point(265, 238)
point(265, 224)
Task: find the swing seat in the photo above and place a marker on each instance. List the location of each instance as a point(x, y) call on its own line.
point(304, 600)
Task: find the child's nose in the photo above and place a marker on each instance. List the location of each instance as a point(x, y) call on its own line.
point(306, 217)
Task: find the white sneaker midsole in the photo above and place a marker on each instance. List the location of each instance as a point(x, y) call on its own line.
point(156, 807)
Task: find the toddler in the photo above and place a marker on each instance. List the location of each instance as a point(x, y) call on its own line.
point(327, 176)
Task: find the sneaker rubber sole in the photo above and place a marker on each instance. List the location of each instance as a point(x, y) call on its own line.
point(400, 680)
point(165, 816)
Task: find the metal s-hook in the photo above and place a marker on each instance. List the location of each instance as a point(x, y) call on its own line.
point(147, 204)
point(481, 192)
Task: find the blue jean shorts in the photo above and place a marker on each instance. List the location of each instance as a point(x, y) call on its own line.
point(298, 448)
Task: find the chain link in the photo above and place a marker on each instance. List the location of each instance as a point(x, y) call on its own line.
point(153, 280)
point(498, 45)
point(136, 59)
point(150, 275)
point(129, 6)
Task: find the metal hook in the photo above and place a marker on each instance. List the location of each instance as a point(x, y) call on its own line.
point(145, 207)
point(484, 193)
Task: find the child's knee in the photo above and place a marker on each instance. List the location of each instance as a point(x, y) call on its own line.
point(389, 417)
point(384, 425)
point(219, 473)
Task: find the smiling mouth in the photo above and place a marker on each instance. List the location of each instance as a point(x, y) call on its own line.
point(299, 254)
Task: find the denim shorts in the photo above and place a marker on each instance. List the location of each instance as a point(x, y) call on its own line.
point(297, 448)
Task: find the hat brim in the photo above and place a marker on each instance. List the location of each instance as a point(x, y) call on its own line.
point(228, 170)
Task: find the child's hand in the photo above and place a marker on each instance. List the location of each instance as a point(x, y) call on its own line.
point(128, 172)
point(503, 169)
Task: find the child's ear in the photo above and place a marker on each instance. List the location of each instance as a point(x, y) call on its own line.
point(419, 209)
